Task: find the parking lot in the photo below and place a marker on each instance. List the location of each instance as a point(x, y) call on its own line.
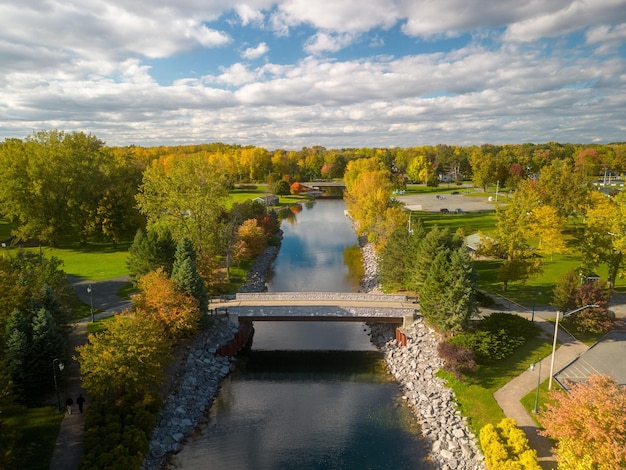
point(452, 202)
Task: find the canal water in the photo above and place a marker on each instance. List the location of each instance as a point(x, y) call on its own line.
point(310, 395)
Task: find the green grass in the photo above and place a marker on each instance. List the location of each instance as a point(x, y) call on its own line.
point(528, 401)
point(93, 261)
point(475, 395)
point(38, 428)
point(99, 325)
point(470, 222)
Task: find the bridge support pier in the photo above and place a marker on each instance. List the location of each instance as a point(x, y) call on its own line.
point(233, 318)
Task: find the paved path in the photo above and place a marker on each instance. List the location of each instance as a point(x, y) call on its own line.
point(69, 444)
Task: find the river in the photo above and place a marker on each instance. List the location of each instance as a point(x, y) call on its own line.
point(309, 395)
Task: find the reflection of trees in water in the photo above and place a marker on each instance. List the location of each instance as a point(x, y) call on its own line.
point(288, 215)
point(354, 262)
point(310, 204)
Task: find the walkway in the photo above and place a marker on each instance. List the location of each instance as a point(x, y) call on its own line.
point(340, 306)
point(69, 444)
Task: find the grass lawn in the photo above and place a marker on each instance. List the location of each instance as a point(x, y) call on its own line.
point(38, 428)
point(470, 222)
point(475, 395)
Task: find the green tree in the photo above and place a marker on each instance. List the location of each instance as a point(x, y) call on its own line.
point(282, 188)
point(484, 167)
point(8, 435)
point(187, 194)
point(562, 188)
point(565, 291)
point(448, 295)
point(426, 249)
point(185, 274)
point(150, 251)
point(510, 239)
point(604, 238)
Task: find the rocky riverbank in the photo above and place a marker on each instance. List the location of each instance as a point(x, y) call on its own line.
point(451, 444)
point(199, 377)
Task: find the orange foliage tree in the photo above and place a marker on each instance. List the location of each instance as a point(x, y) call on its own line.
point(161, 298)
point(297, 188)
point(590, 424)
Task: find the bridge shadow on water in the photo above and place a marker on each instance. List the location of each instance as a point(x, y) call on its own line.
point(357, 366)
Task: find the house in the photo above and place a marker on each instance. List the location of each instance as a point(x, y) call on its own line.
point(267, 200)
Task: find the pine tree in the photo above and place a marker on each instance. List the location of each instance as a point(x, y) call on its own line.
point(185, 274)
point(149, 252)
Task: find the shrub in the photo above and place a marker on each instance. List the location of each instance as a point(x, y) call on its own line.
point(496, 337)
point(505, 446)
point(457, 359)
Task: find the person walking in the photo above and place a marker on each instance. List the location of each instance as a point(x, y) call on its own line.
point(68, 403)
point(80, 401)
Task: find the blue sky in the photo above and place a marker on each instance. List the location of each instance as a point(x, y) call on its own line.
point(294, 73)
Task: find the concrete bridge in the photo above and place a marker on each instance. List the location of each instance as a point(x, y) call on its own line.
point(319, 306)
point(324, 184)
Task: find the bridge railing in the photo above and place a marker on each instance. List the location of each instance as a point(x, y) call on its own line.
point(338, 296)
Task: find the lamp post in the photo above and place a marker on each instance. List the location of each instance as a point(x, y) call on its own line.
point(90, 302)
point(556, 329)
point(532, 367)
point(532, 317)
point(54, 374)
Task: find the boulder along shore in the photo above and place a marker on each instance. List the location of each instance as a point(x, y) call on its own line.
point(451, 444)
point(448, 439)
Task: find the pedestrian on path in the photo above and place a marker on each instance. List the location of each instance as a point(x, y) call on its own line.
point(68, 403)
point(80, 401)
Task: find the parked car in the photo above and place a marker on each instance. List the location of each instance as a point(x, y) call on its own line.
point(444, 211)
point(459, 211)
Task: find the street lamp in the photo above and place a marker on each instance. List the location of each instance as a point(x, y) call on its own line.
point(532, 367)
point(54, 374)
point(532, 318)
point(90, 301)
point(556, 329)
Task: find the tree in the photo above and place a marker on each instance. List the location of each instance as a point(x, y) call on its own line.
point(282, 188)
point(161, 298)
point(484, 167)
point(565, 291)
point(8, 436)
point(562, 188)
point(186, 194)
point(150, 251)
point(509, 241)
point(547, 226)
point(126, 359)
point(185, 275)
point(426, 248)
point(251, 240)
point(448, 295)
point(604, 238)
point(589, 423)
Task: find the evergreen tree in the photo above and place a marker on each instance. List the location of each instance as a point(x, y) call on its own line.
point(150, 251)
point(393, 261)
point(185, 274)
point(448, 295)
point(434, 242)
point(432, 306)
point(47, 343)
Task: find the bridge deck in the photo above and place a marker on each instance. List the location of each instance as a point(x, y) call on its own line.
point(308, 306)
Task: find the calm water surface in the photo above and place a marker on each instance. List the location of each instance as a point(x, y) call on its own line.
point(310, 395)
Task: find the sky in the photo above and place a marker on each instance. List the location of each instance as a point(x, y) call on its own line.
point(295, 73)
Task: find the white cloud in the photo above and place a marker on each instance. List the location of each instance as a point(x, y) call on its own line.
point(94, 76)
point(252, 53)
point(324, 42)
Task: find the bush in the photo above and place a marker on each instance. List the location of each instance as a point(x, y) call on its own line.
point(505, 446)
point(127, 427)
point(496, 337)
point(457, 359)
